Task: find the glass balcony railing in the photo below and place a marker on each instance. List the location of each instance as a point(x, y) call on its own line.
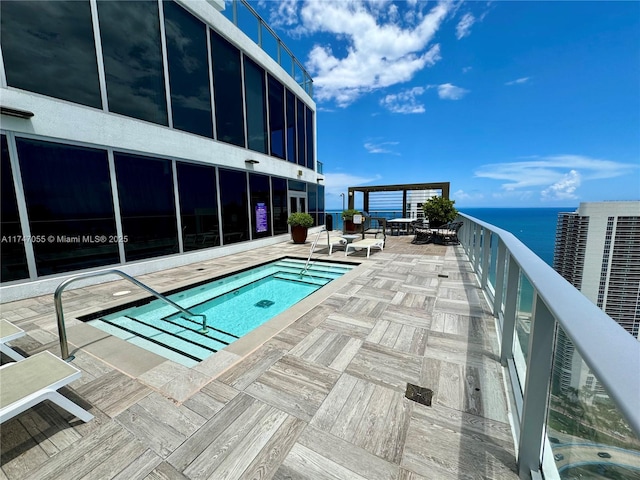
point(574, 372)
point(247, 19)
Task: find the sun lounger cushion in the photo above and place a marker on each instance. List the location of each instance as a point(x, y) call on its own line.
point(367, 243)
point(9, 332)
point(35, 379)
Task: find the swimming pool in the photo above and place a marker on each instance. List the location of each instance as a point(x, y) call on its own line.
point(234, 305)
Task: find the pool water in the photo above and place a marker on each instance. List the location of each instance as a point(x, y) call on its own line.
point(234, 305)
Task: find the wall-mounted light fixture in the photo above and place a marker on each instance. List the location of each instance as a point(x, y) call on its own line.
point(14, 112)
point(299, 173)
point(251, 161)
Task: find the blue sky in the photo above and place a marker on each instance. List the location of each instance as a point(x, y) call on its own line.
point(517, 104)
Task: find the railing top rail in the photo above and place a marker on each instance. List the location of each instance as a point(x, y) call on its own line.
point(607, 348)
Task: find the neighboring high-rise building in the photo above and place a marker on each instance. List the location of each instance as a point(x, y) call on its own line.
point(598, 251)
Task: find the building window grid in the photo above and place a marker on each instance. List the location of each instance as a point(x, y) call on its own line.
point(305, 148)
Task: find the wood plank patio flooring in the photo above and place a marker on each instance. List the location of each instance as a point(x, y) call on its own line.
point(323, 398)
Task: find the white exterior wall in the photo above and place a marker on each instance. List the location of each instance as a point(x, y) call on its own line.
point(57, 120)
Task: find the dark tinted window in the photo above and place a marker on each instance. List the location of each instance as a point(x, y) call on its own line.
point(227, 91)
point(256, 106)
point(280, 207)
point(291, 127)
point(312, 197)
point(260, 205)
point(132, 53)
point(198, 206)
point(68, 194)
point(48, 48)
point(147, 206)
point(321, 206)
point(297, 186)
point(12, 254)
point(276, 117)
point(301, 146)
point(233, 200)
point(188, 71)
point(309, 137)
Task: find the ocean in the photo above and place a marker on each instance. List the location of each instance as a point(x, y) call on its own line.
point(535, 227)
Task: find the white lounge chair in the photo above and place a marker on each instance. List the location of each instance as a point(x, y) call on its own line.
point(367, 243)
point(36, 379)
point(9, 332)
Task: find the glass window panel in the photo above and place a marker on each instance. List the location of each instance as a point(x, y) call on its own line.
point(260, 205)
point(321, 206)
point(312, 195)
point(198, 206)
point(147, 206)
point(255, 92)
point(302, 146)
point(227, 91)
point(233, 201)
point(297, 186)
point(309, 136)
point(523, 327)
point(280, 210)
point(12, 253)
point(270, 43)
point(291, 127)
point(49, 48)
point(132, 53)
point(188, 71)
point(588, 435)
point(276, 117)
point(68, 194)
point(247, 22)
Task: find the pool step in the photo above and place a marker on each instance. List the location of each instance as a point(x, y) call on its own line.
point(306, 278)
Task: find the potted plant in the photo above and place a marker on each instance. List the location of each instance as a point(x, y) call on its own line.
point(439, 211)
point(347, 218)
point(300, 223)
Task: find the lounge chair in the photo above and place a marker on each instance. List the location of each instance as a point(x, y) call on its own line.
point(34, 379)
point(368, 243)
point(9, 332)
point(447, 234)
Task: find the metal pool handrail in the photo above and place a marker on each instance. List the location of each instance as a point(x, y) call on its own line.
point(57, 298)
point(313, 247)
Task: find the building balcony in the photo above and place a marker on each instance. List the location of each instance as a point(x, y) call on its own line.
point(322, 391)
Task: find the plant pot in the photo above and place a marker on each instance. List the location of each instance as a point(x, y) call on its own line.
point(299, 234)
point(349, 226)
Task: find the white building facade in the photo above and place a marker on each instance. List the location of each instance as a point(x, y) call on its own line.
point(142, 136)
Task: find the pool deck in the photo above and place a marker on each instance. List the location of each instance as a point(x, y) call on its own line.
point(317, 393)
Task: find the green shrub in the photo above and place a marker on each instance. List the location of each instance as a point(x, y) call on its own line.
point(300, 219)
point(439, 210)
point(349, 213)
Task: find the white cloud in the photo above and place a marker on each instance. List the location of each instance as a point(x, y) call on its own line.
point(380, 147)
point(381, 47)
point(466, 69)
point(463, 29)
point(563, 189)
point(518, 81)
point(461, 195)
point(404, 102)
point(337, 183)
point(447, 91)
point(558, 175)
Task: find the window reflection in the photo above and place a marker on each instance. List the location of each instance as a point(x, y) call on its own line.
point(188, 71)
point(280, 207)
point(233, 200)
point(49, 48)
point(68, 194)
point(301, 146)
point(131, 48)
point(291, 127)
point(309, 137)
point(227, 91)
point(256, 111)
point(147, 206)
point(276, 117)
point(198, 206)
point(12, 254)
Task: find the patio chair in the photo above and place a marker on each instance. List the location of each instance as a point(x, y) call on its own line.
point(9, 332)
point(35, 379)
point(447, 234)
point(422, 234)
point(376, 226)
point(368, 243)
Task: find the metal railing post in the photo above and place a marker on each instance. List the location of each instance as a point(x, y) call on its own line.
point(509, 323)
point(534, 411)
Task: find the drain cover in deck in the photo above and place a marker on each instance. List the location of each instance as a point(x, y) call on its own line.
point(264, 303)
point(419, 394)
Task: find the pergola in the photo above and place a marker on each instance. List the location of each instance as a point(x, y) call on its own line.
point(409, 187)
